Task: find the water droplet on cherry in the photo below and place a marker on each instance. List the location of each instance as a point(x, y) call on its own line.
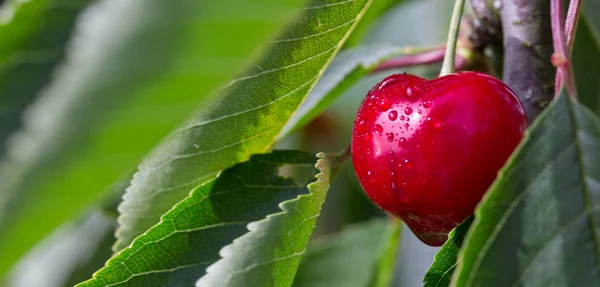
point(361, 126)
point(411, 92)
point(408, 111)
point(388, 81)
point(393, 115)
point(378, 129)
point(385, 104)
point(390, 137)
point(427, 104)
point(402, 142)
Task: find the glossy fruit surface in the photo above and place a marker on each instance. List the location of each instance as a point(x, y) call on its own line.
point(427, 151)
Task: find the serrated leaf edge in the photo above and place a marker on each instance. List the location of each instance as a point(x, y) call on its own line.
point(326, 165)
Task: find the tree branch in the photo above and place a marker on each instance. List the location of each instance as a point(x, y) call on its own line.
point(484, 24)
point(528, 48)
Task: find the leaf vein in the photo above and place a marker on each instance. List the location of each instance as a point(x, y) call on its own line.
point(281, 68)
point(200, 124)
point(314, 35)
point(558, 234)
point(328, 5)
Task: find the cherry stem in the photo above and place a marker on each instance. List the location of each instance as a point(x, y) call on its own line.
point(344, 155)
point(424, 58)
point(448, 64)
point(560, 58)
point(570, 28)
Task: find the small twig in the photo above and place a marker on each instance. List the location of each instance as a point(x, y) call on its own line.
point(560, 58)
point(426, 58)
point(570, 28)
point(571, 23)
point(345, 154)
point(448, 64)
point(484, 26)
point(412, 60)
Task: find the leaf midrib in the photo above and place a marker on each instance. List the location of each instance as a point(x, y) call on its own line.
point(446, 272)
point(582, 176)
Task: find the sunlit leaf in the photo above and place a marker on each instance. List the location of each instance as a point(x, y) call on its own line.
point(270, 253)
point(189, 237)
point(244, 120)
point(345, 70)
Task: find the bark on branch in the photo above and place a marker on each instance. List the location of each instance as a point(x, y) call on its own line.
point(527, 38)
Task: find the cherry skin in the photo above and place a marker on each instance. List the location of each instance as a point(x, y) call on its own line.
point(427, 151)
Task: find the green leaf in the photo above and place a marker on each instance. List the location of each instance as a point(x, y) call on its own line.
point(445, 261)
point(134, 70)
point(270, 253)
point(386, 265)
point(345, 70)
point(349, 258)
point(34, 34)
point(245, 120)
point(539, 223)
point(586, 55)
point(188, 239)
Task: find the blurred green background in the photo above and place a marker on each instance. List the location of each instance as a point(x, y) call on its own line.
point(90, 236)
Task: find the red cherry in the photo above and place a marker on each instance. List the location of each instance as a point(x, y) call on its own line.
point(454, 134)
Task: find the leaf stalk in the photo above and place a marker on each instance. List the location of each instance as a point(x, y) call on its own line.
point(560, 58)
